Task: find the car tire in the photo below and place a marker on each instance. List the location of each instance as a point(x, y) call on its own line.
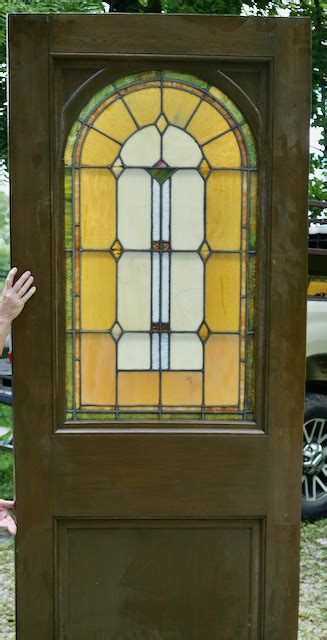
point(314, 479)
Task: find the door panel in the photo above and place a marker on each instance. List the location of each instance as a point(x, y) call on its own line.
point(159, 498)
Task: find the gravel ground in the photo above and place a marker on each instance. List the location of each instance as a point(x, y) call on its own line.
point(313, 595)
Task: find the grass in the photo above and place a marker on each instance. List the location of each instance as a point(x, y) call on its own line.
point(313, 577)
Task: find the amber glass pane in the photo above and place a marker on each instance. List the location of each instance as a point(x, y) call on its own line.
point(115, 121)
point(138, 388)
point(181, 388)
point(224, 151)
point(317, 288)
point(222, 370)
point(98, 149)
point(223, 195)
point(178, 106)
point(98, 208)
point(207, 123)
point(98, 290)
point(223, 292)
point(145, 105)
point(98, 360)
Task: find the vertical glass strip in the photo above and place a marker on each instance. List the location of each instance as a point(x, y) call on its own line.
point(155, 351)
point(155, 211)
point(165, 287)
point(164, 350)
point(165, 211)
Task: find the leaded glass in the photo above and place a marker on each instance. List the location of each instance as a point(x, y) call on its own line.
point(160, 232)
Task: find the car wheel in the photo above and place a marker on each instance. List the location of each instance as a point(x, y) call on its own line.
point(314, 479)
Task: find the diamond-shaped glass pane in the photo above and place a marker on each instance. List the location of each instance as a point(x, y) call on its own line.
point(204, 168)
point(116, 331)
point(117, 167)
point(203, 332)
point(162, 123)
point(116, 249)
point(204, 251)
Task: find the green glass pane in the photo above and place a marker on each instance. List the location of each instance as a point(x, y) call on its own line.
point(251, 294)
point(181, 416)
point(250, 374)
point(69, 371)
point(186, 78)
point(228, 104)
point(69, 416)
point(250, 145)
point(231, 417)
point(99, 417)
point(126, 416)
point(75, 130)
point(144, 76)
point(96, 100)
point(69, 290)
point(253, 197)
point(161, 174)
point(68, 209)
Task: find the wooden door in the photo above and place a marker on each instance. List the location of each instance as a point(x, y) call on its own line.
point(158, 190)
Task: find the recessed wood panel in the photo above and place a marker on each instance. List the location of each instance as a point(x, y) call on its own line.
point(167, 580)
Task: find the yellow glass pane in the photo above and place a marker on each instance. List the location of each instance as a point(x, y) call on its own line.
point(223, 292)
point(98, 290)
point(221, 370)
point(179, 105)
point(98, 208)
point(144, 104)
point(317, 288)
point(180, 388)
point(206, 123)
point(98, 362)
point(223, 152)
point(98, 149)
point(138, 388)
point(116, 121)
point(223, 199)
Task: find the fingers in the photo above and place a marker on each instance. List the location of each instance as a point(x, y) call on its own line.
point(26, 286)
point(29, 294)
point(7, 504)
point(7, 522)
point(10, 277)
point(21, 281)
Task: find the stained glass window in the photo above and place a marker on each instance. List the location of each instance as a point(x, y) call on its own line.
point(160, 224)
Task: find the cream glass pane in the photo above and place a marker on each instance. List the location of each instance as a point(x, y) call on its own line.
point(224, 210)
point(186, 297)
point(142, 149)
point(98, 290)
point(134, 291)
point(180, 149)
point(134, 351)
point(187, 201)
point(134, 209)
point(98, 208)
point(186, 351)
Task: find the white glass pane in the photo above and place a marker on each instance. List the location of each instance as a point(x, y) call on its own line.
point(164, 350)
point(155, 286)
point(134, 351)
point(165, 210)
point(186, 297)
point(142, 149)
point(186, 351)
point(134, 209)
point(134, 291)
point(155, 211)
point(155, 351)
point(180, 149)
point(187, 202)
point(165, 287)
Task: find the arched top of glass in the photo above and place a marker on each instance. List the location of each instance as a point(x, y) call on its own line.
point(158, 119)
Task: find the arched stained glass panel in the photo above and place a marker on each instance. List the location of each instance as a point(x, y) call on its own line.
point(160, 223)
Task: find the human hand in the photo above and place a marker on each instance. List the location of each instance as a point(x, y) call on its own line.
point(6, 520)
point(15, 296)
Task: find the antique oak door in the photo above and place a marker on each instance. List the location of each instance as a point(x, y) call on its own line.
point(159, 182)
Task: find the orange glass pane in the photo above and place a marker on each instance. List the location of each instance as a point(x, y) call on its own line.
point(98, 208)
point(223, 292)
point(98, 290)
point(98, 361)
point(180, 388)
point(223, 152)
point(317, 288)
point(178, 106)
point(116, 121)
point(207, 123)
point(138, 388)
point(221, 370)
point(223, 197)
point(98, 149)
point(144, 104)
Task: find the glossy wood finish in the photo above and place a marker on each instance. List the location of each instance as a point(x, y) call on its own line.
point(208, 488)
